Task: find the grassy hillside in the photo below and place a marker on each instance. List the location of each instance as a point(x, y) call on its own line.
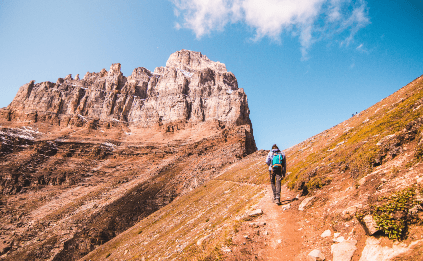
point(359, 145)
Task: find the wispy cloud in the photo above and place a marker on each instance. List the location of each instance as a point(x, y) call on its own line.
point(362, 49)
point(310, 20)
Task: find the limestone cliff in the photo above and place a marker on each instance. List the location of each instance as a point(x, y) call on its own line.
point(189, 89)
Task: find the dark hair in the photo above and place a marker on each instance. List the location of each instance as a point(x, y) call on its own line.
point(274, 146)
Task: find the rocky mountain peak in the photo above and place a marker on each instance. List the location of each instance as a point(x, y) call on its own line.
point(193, 61)
point(115, 69)
point(189, 89)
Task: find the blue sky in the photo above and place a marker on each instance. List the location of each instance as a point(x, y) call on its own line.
point(306, 65)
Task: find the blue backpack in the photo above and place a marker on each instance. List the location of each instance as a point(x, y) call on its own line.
point(277, 160)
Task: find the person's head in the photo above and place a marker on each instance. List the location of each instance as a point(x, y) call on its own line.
point(275, 147)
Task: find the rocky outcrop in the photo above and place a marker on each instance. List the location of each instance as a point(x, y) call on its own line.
point(189, 89)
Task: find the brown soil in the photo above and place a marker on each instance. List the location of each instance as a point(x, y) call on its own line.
point(285, 240)
point(275, 235)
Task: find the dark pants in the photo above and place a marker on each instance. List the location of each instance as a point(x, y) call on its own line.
point(275, 181)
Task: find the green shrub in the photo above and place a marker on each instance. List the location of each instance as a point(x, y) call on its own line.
point(392, 216)
point(317, 182)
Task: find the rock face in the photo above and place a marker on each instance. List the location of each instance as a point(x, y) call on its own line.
point(189, 89)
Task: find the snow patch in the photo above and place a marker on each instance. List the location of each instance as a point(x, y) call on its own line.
point(186, 73)
point(25, 133)
point(82, 117)
point(108, 144)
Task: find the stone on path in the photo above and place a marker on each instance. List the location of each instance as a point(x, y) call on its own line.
point(304, 203)
point(327, 233)
point(226, 249)
point(255, 213)
point(257, 224)
point(344, 251)
point(315, 255)
point(338, 239)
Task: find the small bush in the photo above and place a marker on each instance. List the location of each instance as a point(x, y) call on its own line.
point(317, 182)
point(392, 216)
point(418, 154)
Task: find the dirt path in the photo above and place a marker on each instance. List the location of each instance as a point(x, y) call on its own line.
point(284, 239)
point(278, 234)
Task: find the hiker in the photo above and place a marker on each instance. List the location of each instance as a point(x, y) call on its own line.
point(276, 161)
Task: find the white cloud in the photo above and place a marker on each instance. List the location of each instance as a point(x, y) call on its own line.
point(310, 20)
point(204, 16)
point(271, 17)
point(176, 12)
point(357, 20)
point(362, 49)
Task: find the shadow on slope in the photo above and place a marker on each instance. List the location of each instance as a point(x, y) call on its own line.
point(197, 225)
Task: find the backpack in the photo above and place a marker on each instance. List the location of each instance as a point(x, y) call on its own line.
point(277, 160)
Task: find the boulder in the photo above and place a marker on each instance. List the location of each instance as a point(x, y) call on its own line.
point(315, 255)
point(370, 225)
point(343, 251)
point(338, 239)
point(373, 251)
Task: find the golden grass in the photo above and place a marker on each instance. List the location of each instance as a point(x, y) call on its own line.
point(354, 151)
point(194, 226)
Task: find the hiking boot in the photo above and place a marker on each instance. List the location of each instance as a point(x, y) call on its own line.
point(277, 201)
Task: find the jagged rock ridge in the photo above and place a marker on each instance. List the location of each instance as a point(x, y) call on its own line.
point(190, 88)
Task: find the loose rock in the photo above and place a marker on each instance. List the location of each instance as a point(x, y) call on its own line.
point(315, 255)
point(344, 251)
point(327, 233)
point(370, 225)
point(304, 203)
point(373, 251)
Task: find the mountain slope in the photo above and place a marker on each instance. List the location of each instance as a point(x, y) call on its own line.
point(194, 226)
point(369, 165)
point(83, 160)
point(82, 178)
